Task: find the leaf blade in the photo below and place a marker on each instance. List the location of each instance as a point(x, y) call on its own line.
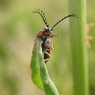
point(35, 67)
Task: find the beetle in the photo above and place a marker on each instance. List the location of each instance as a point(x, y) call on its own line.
point(46, 34)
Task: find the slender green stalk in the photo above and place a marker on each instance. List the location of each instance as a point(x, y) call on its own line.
point(48, 85)
point(78, 46)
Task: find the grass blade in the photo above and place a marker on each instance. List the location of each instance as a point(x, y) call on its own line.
point(48, 85)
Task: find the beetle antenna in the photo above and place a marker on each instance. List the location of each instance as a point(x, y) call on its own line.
point(72, 15)
point(42, 14)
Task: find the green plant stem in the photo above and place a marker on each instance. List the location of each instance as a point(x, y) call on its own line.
point(78, 46)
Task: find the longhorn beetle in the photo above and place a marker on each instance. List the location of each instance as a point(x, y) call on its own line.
point(46, 35)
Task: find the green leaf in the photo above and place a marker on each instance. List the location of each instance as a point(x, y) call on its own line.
point(39, 71)
point(35, 67)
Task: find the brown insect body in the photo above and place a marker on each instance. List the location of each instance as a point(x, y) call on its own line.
point(45, 35)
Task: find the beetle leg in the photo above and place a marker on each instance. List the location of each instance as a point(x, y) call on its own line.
point(48, 56)
point(47, 50)
point(46, 60)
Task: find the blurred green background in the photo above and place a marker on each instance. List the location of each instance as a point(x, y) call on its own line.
point(18, 27)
